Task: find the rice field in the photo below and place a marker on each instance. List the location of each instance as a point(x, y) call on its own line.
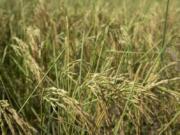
point(99, 67)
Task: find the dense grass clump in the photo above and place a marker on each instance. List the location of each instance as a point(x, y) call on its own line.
point(98, 67)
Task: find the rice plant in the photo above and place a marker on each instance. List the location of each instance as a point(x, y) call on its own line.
point(94, 67)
